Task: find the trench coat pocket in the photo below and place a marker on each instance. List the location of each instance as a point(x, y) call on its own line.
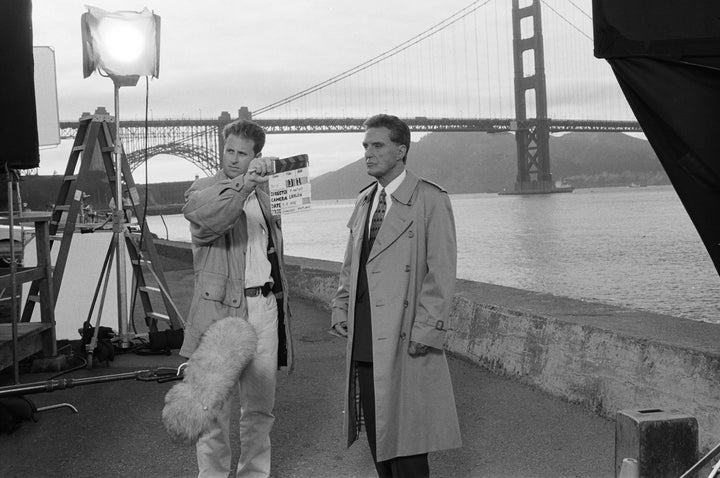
point(234, 293)
point(228, 292)
point(214, 291)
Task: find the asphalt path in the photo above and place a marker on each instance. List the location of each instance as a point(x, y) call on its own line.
point(509, 429)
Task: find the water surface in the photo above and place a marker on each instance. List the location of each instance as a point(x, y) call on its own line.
point(633, 247)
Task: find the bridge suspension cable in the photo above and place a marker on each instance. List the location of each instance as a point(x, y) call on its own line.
point(568, 21)
point(589, 17)
point(438, 27)
point(458, 80)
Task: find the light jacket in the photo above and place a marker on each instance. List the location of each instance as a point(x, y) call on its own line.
point(214, 208)
point(411, 272)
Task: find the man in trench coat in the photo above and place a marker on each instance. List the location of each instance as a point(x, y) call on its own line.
point(393, 300)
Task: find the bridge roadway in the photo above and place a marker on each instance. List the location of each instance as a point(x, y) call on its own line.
point(509, 429)
point(172, 129)
point(198, 140)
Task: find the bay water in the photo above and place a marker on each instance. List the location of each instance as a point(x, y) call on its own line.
point(632, 247)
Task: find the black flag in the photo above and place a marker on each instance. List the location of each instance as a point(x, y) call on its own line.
point(666, 57)
point(18, 120)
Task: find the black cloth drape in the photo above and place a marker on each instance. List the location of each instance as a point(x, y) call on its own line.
point(666, 57)
point(18, 117)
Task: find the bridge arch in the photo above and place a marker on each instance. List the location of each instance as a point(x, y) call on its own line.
point(203, 158)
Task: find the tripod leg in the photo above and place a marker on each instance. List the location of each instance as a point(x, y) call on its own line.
point(90, 347)
point(93, 342)
point(106, 262)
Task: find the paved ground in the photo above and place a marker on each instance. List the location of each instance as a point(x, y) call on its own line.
point(509, 429)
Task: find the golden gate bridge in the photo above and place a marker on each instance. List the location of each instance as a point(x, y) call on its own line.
point(455, 73)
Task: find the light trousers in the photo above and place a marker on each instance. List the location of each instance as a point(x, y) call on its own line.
point(256, 395)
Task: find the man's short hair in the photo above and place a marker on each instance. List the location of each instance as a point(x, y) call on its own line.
point(246, 129)
point(399, 130)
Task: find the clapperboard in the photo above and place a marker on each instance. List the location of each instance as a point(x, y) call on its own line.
point(290, 185)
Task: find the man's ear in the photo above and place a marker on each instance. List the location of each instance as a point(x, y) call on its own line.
point(403, 150)
point(259, 155)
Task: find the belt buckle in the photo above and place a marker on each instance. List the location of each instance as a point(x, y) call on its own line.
point(263, 290)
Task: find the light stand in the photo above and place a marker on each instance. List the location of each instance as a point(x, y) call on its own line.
point(119, 219)
point(123, 46)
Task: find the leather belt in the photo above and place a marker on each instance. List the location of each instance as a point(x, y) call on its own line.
point(264, 289)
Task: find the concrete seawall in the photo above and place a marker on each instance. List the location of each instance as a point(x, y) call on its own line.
point(603, 357)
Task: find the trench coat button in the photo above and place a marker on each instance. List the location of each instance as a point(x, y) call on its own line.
point(402, 335)
point(207, 294)
point(405, 304)
point(234, 301)
point(407, 268)
point(439, 325)
point(411, 234)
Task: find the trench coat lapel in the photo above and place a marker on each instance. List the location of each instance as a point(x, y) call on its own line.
point(398, 218)
point(272, 222)
point(357, 221)
point(264, 200)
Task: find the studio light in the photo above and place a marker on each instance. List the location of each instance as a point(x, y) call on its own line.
point(123, 46)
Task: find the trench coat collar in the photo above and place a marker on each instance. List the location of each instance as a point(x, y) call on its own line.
point(398, 218)
point(405, 191)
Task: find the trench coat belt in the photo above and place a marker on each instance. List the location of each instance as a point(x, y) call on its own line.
point(264, 289)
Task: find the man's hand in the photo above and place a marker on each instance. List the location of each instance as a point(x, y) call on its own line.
point(416, 349)
point(341, 328)
point(259, 171)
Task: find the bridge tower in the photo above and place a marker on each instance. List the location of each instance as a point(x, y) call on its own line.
point(223, 120)
point(532, 136)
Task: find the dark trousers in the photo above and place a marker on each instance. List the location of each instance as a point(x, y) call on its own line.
point(414, 466)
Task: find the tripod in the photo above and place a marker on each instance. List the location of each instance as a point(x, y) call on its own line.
point(117, 245)
point(103, 282)
point(95, 134)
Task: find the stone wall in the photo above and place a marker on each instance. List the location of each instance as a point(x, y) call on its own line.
point(602, 357)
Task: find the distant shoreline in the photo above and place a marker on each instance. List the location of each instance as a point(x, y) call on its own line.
point(164, 209)
point(40, 192)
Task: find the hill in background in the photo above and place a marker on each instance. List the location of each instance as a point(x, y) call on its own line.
point(460, 162)
point(41, 192)
point(483, 162)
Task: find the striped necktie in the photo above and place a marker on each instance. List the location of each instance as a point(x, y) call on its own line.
point(378, 217)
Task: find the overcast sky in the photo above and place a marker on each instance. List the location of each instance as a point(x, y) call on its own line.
point(219, 55)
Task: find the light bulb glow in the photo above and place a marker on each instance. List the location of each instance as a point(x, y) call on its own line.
point(121, 43)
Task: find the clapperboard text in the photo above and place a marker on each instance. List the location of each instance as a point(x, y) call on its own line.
point(290, 186)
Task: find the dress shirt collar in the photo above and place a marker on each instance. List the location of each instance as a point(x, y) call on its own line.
point(394, 184)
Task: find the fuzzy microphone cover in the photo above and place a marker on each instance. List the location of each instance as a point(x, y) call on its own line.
point(212, 372)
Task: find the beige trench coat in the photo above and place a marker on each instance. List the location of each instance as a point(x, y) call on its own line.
point(411, 274)
point(214, 209)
